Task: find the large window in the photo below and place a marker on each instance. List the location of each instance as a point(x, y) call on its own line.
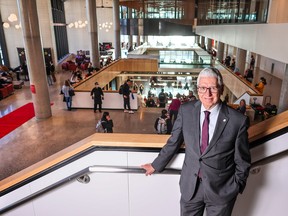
point(212, 12)
point(60, 31)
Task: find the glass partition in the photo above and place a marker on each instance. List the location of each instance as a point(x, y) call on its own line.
point(211, 12)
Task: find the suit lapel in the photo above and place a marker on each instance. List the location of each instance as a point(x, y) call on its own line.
point(220, 125)
point(196, 126)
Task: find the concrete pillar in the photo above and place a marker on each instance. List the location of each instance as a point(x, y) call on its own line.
point(130, 36)
point(116, 21)
point(197, 39)
point(146, 39)
point(93, 31)
point(283, 101)
point(34, 57)
point(209, 44)
point(202, 42)
point(241, 60)
point(220, 51)
point(256, 72)
point(138, 40)
point(140, 31)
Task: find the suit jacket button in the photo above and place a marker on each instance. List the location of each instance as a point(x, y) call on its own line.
point(195, 175)
point(200, 159)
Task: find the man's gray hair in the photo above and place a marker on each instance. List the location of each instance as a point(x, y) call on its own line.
point(211, 72)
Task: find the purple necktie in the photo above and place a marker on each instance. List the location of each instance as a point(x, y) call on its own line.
point(205, 132)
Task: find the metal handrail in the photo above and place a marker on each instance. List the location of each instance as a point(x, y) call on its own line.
point(129, 170)
point(90, 169)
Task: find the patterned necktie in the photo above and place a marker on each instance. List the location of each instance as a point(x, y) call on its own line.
point(205, 132)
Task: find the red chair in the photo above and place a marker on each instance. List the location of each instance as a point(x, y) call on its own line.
point(3, 93)
point(10, 89)
point(84, 66)
point(65, 66)
point(72, 67)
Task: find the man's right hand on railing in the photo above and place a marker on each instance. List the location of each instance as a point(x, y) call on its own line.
point(149, 169)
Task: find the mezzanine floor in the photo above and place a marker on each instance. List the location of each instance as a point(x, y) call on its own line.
point(38, 139)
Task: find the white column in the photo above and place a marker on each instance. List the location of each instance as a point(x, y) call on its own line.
point(116, 21)
point(241, 60)
point(34, 56)
point(93, 31)
point(220, 51)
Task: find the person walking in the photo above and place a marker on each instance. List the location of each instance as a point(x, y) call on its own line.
point(66, 90)
point(97, 96)
point(173, 109)
point(217, 157)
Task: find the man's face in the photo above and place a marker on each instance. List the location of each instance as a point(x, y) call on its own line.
point(129, 83)
point(212, 96)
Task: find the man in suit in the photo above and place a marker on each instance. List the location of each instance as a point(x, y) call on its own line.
point(217, 157)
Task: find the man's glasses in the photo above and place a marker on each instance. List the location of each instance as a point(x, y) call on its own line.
point(202, 89)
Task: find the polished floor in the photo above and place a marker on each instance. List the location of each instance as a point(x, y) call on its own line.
point(38, 139)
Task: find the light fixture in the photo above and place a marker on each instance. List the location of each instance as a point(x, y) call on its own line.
point(78, 24)
point(6, 25)
point(12, 17)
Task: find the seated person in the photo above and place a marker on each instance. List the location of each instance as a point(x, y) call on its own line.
point(249, 75)
point(242, 107)
point(260, 86)
point(163, 124)
point(150, 102)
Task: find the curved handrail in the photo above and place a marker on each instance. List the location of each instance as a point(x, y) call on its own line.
point(90, 169)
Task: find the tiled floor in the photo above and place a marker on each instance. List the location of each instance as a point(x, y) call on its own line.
point(38, 139)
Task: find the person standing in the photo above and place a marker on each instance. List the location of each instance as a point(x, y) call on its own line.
point(162, 99)
point(173, 108)
point(252, 63)
point(98, 96)
point(242, 107)
point(217, 157)
point(48, 74)
point(126, 96)
point(66, 88)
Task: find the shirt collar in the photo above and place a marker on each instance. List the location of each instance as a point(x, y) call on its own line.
point(214, 110)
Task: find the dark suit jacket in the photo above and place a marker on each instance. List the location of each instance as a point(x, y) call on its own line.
point(224, 164)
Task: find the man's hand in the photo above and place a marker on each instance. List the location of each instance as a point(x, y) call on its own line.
point(125, 96)
point(149, 169)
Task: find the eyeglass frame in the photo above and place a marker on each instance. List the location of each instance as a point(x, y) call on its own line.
point(210, 89)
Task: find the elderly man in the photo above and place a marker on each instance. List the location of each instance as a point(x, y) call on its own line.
point(217, 157)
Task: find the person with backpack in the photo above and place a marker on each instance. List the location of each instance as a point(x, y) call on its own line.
point(162, 99)
point(163, 124)
point(105, 124)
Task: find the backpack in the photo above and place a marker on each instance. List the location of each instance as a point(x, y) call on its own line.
point(100, 128)
point(162, 126)
point(121, 89)
point(162, 97)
